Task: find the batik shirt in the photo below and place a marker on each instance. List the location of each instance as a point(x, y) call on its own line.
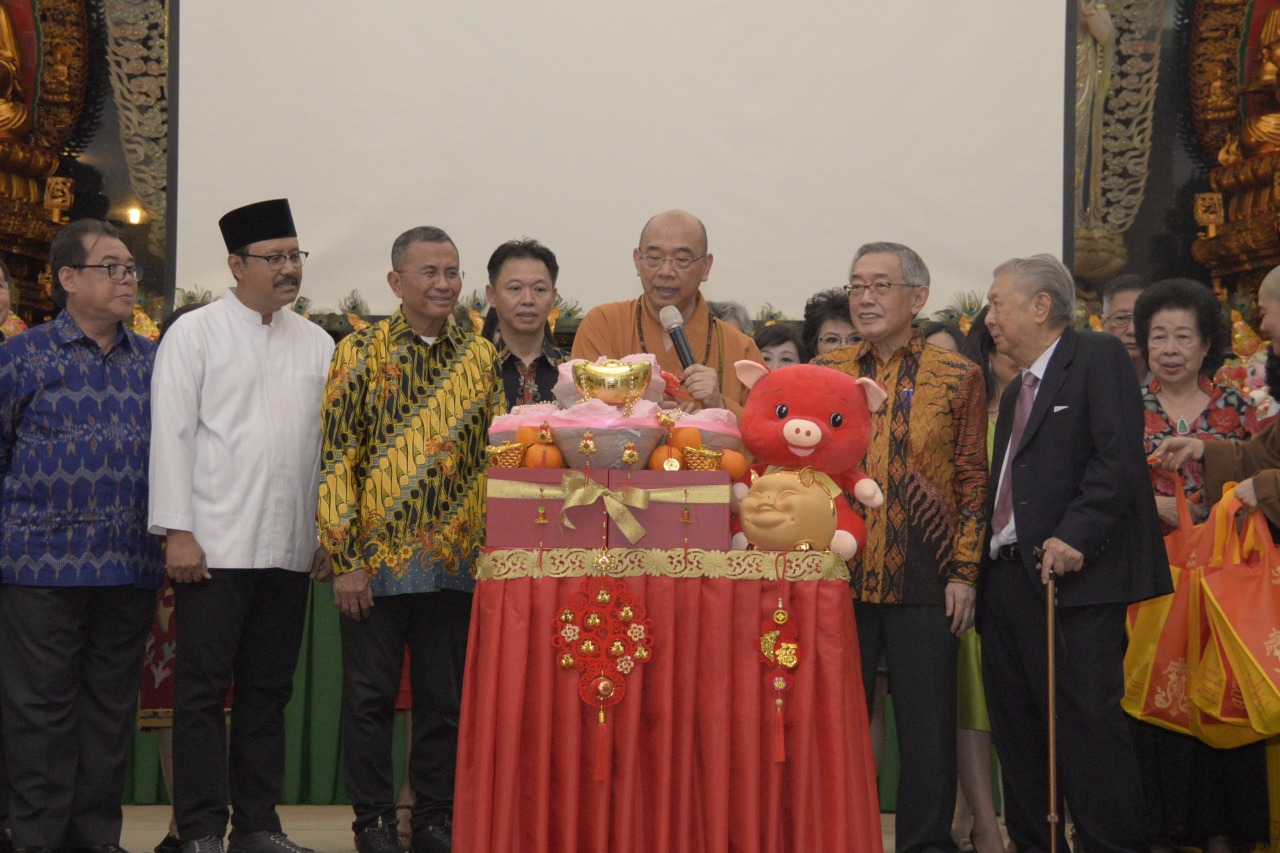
point(75, 426)
point(928, 452)
point(524, 384)
point(405, 425)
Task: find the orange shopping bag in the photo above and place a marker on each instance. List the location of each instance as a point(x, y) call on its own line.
point(1155, 663)
point(1243, 604)
point(1218, 715)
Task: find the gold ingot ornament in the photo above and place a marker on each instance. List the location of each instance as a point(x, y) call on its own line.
point(615, 382)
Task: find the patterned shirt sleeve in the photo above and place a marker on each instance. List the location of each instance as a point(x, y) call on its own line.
point(969, 413)
point(11, 404)
point(342, 452)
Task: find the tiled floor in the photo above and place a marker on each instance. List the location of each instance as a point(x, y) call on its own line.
point(327, 829)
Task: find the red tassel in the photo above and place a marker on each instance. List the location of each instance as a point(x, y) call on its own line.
point(603, 748)
point(779, 734)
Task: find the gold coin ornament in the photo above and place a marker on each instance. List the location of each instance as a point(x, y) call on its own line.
point(604, 632)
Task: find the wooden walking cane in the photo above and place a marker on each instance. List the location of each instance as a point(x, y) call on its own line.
point(1051, 599)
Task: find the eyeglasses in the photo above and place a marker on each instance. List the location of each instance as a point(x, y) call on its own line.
point(855, 289)
point(431, 274)
point(1120, 321)
point(276, 262)
point(834, 340)
point(654, 262)
point(115, 272)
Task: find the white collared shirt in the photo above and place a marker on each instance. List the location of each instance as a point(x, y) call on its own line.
point(1009, 535)
point(235, 434)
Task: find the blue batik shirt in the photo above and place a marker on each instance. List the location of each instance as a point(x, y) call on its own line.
point(75, 427)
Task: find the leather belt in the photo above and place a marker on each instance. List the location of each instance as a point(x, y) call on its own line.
point(1009, 553)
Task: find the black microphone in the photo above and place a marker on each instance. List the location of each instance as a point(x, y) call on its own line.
point(671, 320)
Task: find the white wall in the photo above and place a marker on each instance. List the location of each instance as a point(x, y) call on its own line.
point(795, 131)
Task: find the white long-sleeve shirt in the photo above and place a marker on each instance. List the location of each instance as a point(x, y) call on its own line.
point(235, 434)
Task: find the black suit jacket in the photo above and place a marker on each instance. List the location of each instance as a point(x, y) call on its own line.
point(1080, 474)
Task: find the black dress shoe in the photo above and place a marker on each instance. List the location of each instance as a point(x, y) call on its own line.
point(436, 838)
point(204, 844)
point(170, 844)
point(379, 838)
point(264, 842)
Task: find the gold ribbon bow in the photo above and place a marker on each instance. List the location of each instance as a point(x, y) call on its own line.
point(576, 490)
point(581, 491)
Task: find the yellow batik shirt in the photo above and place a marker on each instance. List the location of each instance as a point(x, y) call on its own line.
point(929, 454)
point(402, 485)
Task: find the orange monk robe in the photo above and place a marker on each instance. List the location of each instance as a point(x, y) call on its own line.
point(610, 330)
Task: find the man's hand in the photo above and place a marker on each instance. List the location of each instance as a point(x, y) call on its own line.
point(321, 565)
point(960, 599)
point(184, 558)
point(352, 594)
point(1247, 494)
point(703, 385)
point(1059, 558)
point(1177, 451)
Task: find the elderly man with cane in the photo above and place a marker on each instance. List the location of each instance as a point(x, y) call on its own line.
point(1072, 502)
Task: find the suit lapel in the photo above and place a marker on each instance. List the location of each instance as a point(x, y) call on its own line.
point(1055, 374)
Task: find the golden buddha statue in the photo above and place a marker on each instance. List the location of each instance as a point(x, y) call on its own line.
point(15, 118)
point(1260, 134)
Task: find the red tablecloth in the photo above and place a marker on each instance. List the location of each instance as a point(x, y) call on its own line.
point(691, 761)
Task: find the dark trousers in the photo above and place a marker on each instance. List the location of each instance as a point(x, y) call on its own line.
point(1097, 768)
point(920, 651)
point(71, 666)
point(246, 624)
point(434, 625)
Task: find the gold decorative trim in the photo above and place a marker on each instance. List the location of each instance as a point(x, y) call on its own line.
point(510, 563)
point(138, 58)
point(64, 71)
point(1213, 69)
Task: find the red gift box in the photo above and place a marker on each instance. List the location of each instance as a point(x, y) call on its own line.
point(686, 508)
point(513, 498)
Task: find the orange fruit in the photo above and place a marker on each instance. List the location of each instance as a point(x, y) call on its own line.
point(733, 462)
point(543, 456)
point(683, 437)
point(527, 434)
point(663, 452)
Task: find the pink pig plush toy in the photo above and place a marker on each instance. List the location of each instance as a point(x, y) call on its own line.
point(808, 428)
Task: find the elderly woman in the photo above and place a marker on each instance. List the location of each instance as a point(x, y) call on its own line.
point(1183, 336)
point(1196, 795)
point(827, 323)
point(974, 826)
point(780, 344)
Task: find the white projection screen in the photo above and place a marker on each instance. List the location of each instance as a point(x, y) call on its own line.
point(795, 131)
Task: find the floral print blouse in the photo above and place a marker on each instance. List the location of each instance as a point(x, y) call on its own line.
point(1227, 417)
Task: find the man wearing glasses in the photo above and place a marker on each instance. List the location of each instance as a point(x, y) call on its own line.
point(235, 461)
point(672, 262)
point(913, 580)
point(79, 570)
point(402, 495)
point(1118, 298)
